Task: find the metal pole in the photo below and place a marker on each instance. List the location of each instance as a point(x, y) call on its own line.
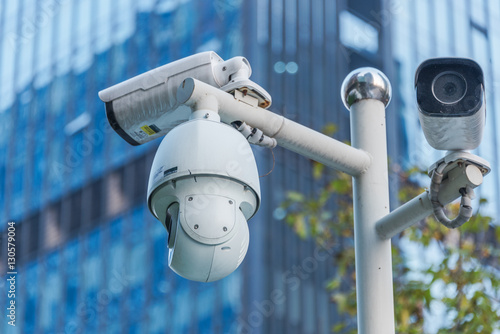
point(366, 92)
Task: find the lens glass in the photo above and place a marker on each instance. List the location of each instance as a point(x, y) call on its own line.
point(449, 87)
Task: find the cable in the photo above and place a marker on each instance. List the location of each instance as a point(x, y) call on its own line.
point(254, 135)
point(274, 164)
point(465, 212)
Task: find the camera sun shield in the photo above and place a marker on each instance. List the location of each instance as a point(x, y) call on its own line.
point(450, 98)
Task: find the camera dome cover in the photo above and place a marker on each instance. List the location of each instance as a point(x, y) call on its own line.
point(203, 187)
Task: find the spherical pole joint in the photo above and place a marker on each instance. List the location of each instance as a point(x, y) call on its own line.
point(366, 83)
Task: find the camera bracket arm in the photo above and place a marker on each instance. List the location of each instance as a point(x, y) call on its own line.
point(288, 134)
point(462, 175)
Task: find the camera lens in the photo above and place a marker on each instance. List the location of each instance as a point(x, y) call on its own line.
point(449, 87)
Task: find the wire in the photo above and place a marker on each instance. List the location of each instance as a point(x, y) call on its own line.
point(465, 212)
point(274, 163)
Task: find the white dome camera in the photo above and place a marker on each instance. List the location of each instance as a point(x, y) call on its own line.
point(451, 102)
point(203, 187)
point(204, 183)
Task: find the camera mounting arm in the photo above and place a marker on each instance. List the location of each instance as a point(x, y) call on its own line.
point(461, 175)
point(288, 134)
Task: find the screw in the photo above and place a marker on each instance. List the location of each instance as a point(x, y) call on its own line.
point(207, 115)
point(224, 229)
point(190, 199)
point(224, 68)
point(230, 202)
point(196, 226)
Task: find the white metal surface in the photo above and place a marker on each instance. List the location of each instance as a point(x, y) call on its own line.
point(420, 207)
point(374, 289)
point(454, 133)
point(202, 148)
point(289, 134)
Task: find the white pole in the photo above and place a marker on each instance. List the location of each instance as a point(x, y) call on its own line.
point(366, 92)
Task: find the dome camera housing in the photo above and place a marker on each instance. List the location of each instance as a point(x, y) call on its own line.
point(451, 102)
point(203, 187)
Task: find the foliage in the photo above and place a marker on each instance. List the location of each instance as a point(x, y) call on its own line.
point(463, 276)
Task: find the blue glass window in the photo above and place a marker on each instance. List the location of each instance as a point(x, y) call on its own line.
point(49, 310)
point(124, 24)
point(442, 31)
point(38, 168)
point(82, 57)
point(136, 304)
point(181, 315)
point(103, 12)
point(357, 33)
point(205, 305)
point(477, 11)
point(139, 264)
point(117, 278)
point(17, 203)
point(64, 41)
point(142, 45)
point(99, 128)
point(91, 281)
point(163, 37)
point(231, 299)
point(158, 311)
point(71, 258)
point(3, 194)
point(75, 156)
point(262, 21)
point(59, 166)
point(277, 26)
point(160, 263)
point(8, 54)
point(43, 54)
point(461, 30)
point(26, 52)
point(31, 297)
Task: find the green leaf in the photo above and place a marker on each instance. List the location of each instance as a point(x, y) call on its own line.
point(295, 196)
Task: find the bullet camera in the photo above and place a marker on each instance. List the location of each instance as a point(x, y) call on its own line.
point(451, 103)
point(145, 107)
point(203, 187)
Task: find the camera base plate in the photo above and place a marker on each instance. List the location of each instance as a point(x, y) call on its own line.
point(456, 158)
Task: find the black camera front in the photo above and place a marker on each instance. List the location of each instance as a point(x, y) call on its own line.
point(449, 87)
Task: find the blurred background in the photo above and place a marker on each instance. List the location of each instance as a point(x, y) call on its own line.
point(90, 257)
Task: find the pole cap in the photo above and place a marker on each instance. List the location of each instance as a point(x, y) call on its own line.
point(365, 83)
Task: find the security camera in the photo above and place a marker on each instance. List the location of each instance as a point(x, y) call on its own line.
point(204, 184)
point(203, 187)
point(145, 107)
point(451, 102)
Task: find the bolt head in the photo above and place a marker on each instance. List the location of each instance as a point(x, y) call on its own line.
point(366, 83)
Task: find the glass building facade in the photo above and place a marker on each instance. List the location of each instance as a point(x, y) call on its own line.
point(90, 256)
